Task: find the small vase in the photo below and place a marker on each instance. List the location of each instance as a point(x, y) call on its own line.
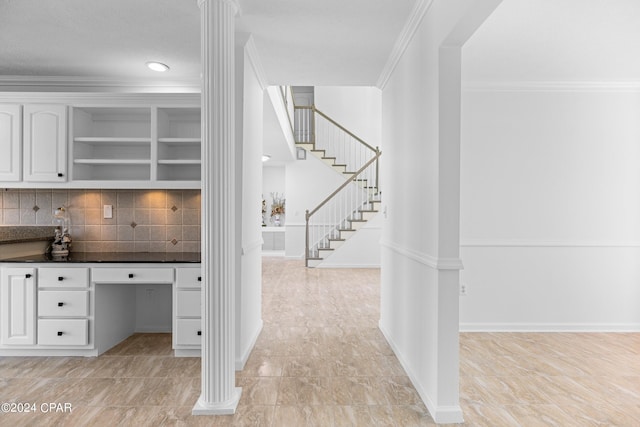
point(276, 220)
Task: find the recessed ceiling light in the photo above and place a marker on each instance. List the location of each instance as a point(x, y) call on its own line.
point(265, 157)
point(157, 66)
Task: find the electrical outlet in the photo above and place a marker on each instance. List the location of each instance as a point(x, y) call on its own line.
point(463, 290)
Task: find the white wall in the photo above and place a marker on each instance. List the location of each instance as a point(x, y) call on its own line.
point(249, 133)
point(420, 129)
point(550, 209)
point(308, 182)
point(357, 108)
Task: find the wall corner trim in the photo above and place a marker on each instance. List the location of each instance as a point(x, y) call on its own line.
point(440, 414)
point(423, 258)
point(402, 42)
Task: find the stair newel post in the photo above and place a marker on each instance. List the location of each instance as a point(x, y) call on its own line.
point(306, 239)
point(313, 124)
point(377, 169)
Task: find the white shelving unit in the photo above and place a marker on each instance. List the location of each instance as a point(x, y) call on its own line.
point(111, 144)
point(136, 145)
point(179, 144)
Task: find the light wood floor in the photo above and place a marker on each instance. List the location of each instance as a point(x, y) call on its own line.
point(322, 361)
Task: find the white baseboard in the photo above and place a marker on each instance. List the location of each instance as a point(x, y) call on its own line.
point(242, 360)
point(549, 327)
point(325, 265)
point(440, 414)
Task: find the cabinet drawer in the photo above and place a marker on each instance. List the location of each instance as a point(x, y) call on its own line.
point(132, 275)
point(188, 278)
point(63, 277)
point(189, 332)
point(188, 304)
point(63, 303)
point(63, 332)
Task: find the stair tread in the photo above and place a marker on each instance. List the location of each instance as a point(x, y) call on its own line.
point(368, 210)
point(337, 240)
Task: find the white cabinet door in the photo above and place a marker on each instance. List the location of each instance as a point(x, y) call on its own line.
point(18, 306)
point(10, 139)
point(45, 143)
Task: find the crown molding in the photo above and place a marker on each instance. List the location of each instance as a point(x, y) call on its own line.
point(102, 98)
point(551, 86)
point(256, 63)
point(69, 83)
point(402, 42)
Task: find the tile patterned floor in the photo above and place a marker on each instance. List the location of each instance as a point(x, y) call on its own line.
point(321, 361)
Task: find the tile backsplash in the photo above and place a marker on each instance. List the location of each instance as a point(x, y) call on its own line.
point(143, 220)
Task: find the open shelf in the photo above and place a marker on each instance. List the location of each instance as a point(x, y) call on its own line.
point(136, 144)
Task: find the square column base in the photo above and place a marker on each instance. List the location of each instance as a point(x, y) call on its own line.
point(224, 408)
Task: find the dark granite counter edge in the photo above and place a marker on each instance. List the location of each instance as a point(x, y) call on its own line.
point(25, 233)
point(111, 257)
point(26, 240)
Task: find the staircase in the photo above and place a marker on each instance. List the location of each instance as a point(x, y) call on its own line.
point(342, 213)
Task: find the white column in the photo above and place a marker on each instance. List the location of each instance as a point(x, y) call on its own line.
point(219, 394)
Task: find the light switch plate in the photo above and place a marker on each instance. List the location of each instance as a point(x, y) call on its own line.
point(108, 211)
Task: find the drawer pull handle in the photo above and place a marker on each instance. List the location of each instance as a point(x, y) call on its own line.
point(130, 275)
point(60, 304)
point(60, 278)
point(199, 278)
point(60, 175)
point(28, 276)
point(199, 333)
point(59, 333)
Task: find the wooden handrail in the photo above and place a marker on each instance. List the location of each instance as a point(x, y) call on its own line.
point(347, 182)
point(329, 119)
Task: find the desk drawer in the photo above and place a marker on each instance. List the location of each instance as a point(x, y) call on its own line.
point(63, 332)
point(132, 275)
point(188, 332)
point(188, 303)
point(63, 303)
point(188, 278)
point(63, 277)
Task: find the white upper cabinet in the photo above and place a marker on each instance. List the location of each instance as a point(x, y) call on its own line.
point(10, 140)
point(45, 143)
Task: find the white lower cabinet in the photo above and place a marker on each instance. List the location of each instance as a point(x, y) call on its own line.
point(18, 305)
point(73, 310)
point(187, 311)
point(63, 332)
point(63, 307)
point(63, 303)
point(188, 332)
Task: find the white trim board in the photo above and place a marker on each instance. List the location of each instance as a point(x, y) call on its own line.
point(424, 258)
point(534, 243)
point(549, 327)
point(551, 86)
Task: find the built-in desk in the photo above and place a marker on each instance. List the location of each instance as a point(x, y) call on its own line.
point(89, 302)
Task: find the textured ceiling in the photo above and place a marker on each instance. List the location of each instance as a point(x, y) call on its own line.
point(299, 41)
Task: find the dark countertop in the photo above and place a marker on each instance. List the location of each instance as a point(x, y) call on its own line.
point(112, 257)
point(26, 233)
